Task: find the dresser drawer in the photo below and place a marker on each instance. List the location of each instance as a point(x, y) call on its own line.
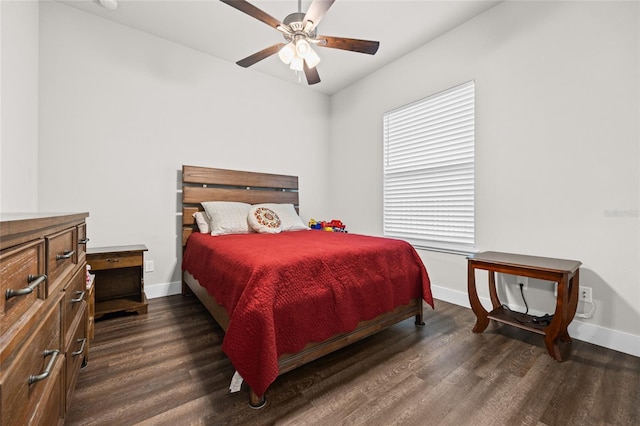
point(75, 352)
point(62, 257)
point(82, 242)
point(23, 281)
point(105, 261)
point(50, 410)
point(25, 382)
point(73, 302)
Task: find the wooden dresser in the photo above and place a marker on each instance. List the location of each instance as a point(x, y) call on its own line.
point(43, 315)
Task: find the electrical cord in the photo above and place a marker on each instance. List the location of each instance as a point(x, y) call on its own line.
point(523, 299)
point(544, 319)
point(506, 308)
point(588, 314)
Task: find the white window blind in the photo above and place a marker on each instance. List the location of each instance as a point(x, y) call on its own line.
point(429, 171)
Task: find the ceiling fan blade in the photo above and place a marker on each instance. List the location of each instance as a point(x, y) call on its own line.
point(312, 74)
point(253, 11)
point(317, 11)
point(362, 46)
point(258, 56)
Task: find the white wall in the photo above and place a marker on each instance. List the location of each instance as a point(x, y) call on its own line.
point(19, 106)
point(121, 111)
point(557, 148)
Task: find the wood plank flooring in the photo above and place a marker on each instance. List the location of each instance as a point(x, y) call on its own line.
point(167, 368)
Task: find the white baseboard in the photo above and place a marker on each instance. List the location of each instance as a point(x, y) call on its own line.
point(162, 290)
point(601, 336)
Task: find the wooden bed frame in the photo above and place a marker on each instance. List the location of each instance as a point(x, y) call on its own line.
point(208, 184)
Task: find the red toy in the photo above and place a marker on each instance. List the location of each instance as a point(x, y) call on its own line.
point(333, 224)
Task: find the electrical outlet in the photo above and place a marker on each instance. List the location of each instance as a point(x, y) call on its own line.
point(522, 280)
point(148, 266)
point(585, 295)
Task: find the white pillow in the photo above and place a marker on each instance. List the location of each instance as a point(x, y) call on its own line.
point(264, 220)
point(203, 222)
point(227, 217)
point(287, 214)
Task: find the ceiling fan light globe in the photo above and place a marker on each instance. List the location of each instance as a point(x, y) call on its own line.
point(287, 53)
point(312, 59)
point(296, 63)
point(302, 48)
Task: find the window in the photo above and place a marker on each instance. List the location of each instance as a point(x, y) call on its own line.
point(429, 171)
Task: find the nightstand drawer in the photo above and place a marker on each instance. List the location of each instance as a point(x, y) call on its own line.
point(104, 261)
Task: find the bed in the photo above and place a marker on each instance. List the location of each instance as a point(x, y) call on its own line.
point(285, 299)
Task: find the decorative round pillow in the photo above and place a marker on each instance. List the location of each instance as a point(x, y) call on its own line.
point(264, 220)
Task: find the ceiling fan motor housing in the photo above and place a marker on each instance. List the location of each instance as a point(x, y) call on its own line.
point(295, 21)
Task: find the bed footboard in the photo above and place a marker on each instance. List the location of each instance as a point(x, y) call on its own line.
point(315, 350)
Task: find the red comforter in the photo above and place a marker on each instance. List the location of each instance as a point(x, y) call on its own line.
point(285, 290)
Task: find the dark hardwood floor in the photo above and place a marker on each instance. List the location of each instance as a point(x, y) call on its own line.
point(167, 368)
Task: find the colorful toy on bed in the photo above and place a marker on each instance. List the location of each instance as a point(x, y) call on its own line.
point(332, 226)
point(314, 225)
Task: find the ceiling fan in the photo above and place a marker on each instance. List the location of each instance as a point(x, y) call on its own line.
point(300, 33)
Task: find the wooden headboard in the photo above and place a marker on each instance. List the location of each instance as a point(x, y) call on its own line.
point(207, 184)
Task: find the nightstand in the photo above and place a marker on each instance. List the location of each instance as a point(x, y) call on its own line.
point(565, 272)
point(119, 275)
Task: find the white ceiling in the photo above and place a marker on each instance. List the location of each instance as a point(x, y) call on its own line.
point(215, 28)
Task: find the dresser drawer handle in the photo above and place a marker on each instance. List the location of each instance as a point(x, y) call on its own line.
point(116, 260)
point(67, 254)
point(80, 298)
point(34, 281)
point(81, 350)
point(47, 370)
point(83, 241)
